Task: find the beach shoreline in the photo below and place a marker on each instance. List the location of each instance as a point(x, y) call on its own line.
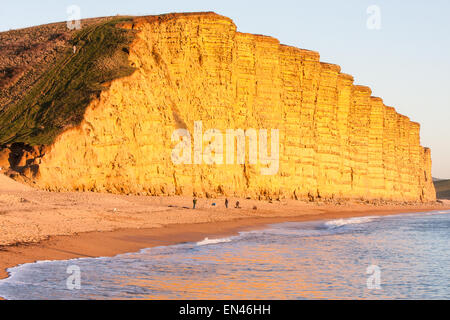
point(111, 243)
point(38, 225)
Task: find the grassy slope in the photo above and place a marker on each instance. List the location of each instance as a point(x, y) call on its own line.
point(442, 189)
point(59, 99)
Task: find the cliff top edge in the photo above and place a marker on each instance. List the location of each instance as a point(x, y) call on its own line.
point(179, 15)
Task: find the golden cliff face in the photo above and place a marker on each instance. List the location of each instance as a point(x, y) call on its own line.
point(335, 140)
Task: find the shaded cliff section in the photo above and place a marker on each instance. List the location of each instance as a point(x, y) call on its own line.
point(48, 76)
point(337, 141)
point(62, 73)
point(442, 189)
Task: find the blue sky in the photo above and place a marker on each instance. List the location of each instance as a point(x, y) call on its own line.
point(406, 62)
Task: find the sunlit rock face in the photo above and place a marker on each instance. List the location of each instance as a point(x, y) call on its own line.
point(335, 139)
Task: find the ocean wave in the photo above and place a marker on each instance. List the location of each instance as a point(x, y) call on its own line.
point(343, 222)
point(435, 213)
point(208, 241)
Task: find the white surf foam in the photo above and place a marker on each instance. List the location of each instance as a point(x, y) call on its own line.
point(434, 213)
point(343, 222)
point(208, 241)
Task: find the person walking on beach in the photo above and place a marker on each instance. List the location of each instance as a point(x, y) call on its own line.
point(226, 203)
point(237, 205)
point(194, 202)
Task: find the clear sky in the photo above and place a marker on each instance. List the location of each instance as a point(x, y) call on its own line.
point(406, 62)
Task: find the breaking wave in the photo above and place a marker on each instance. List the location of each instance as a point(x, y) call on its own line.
point(343, 222)
point(208, 241)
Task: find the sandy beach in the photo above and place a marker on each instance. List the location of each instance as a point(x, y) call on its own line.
point(37, 225)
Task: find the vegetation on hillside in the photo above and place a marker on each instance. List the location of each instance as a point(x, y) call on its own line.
point(59, 98)
point(442, 189)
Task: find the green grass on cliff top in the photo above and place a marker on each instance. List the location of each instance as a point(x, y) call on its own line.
point(59, 98)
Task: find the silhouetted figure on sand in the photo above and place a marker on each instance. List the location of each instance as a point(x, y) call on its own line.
point(226, 203)
point(194, 202)
point(237, 205)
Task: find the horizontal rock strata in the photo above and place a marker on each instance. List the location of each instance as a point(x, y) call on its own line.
point(335, 139)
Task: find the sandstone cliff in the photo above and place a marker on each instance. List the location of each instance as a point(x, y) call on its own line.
point(336, 140)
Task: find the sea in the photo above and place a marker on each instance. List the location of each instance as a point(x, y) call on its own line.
point(403, 256)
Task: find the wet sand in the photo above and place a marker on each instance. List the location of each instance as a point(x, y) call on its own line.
point(37, 225)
